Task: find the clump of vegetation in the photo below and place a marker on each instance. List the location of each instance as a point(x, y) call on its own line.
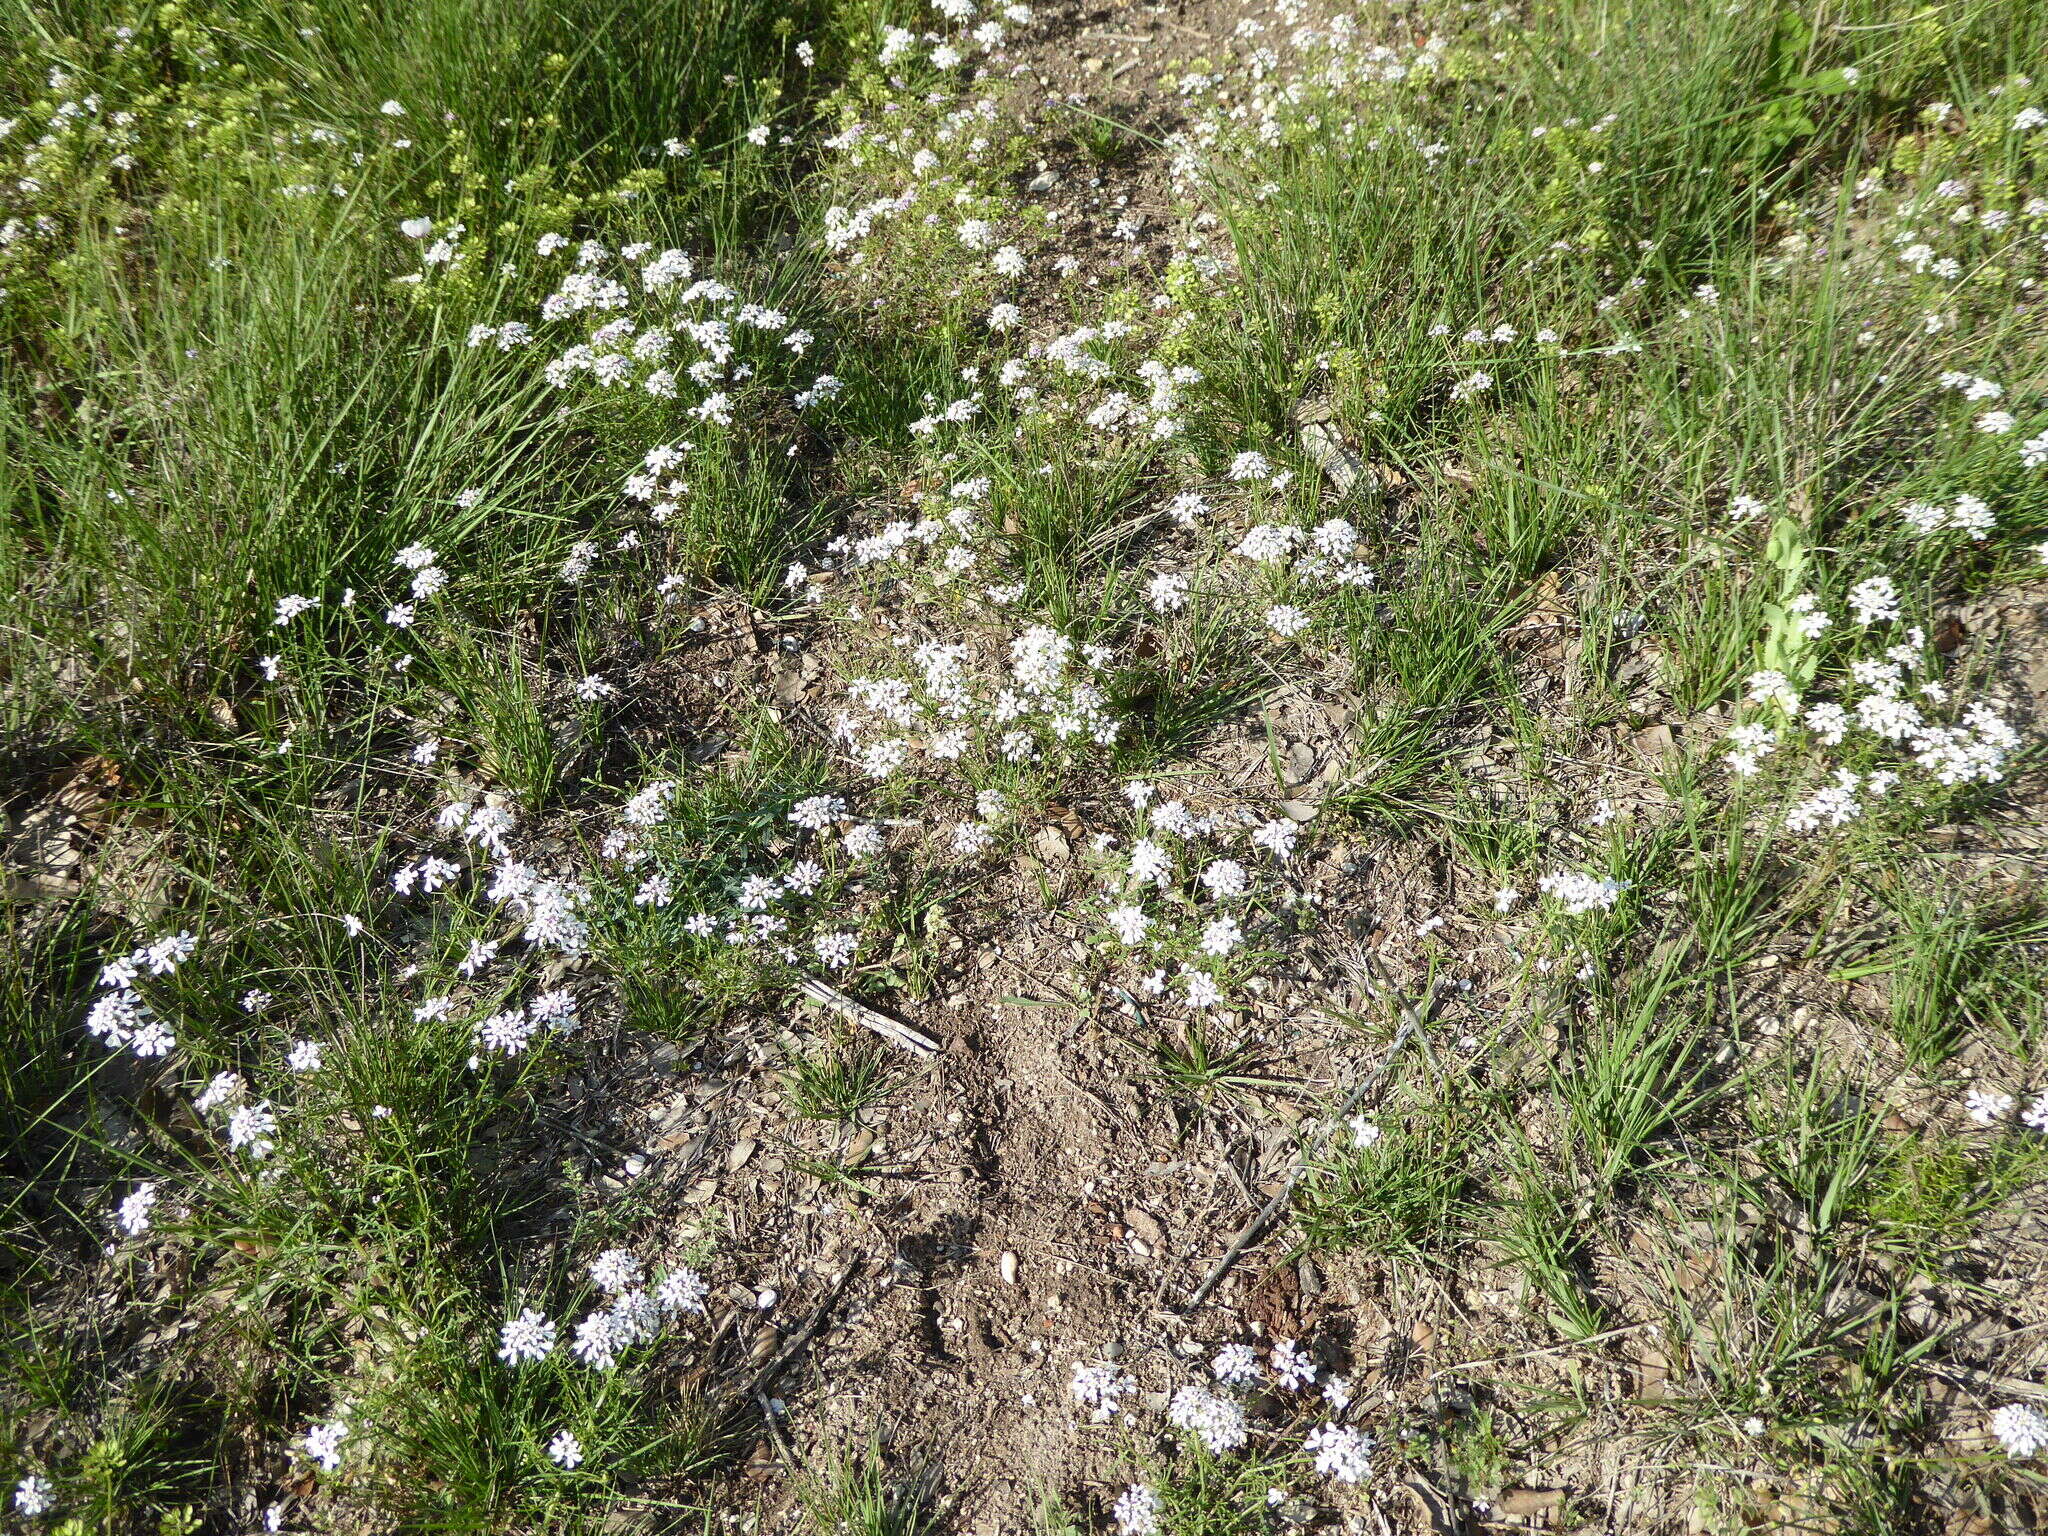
point(733, 735)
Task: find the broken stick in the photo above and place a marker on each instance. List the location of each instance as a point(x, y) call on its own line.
point(897, 1033)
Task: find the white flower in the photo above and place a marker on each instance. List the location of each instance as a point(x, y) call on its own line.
point(221, 1088)
point(1363, 1132)
point(1579, 893)
point(1221, 937)
point(648, 808)
point(1167, 592)
point(597, 1341)
point(2035, 1115)
point(1472, 384)
point(323, 1443)
point(1276, 837)
point(1224, 878)
point(1773, 688)
point(565, 1451)
point(837, 949)
point(1150, 863)
point(1136, 1511)
point(1128, 923)
point(818, 812)
point(1874, 599)
point(1987, 1106)
point(1748, 746)
point(615, 1270)
point(1102, 1388)
point(683, 1290)
point(1341, 1453)
point(167, 954)
point(33, 1495)
point(1217, 1422)
point(1269, 543)
point(1292, 1367)
point(253, 1129)
point(527, 1337)
point(1829, 722)
point(133, 1215)
point(304, 1056)
point(1286, 620)
point(2023, 1431)
point(1235, 1365)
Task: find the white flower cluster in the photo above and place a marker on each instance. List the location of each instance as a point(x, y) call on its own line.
point(34, 1496)
point(635, 1315)
point(658, 328)
point(133, 1214)
point(1579, 893)
point(1323, 556)
point(1891, 711)
point(322, 1443)
point(1341, 1453)
point(767, 910)
point(1150, 892)
point(1967, 514)
point(1217, 1422)
point(1101, 1389)
point(950, 530)
point(2022, 1430)
point(511, 1030)
point(1047, 701)
point(120, 1017)
point(1238, 1365)
point(552, 906)
point(1137, 1510)
point(947, 51)
point(1222, 1424)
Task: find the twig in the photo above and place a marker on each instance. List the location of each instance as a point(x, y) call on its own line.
point(897, 1033)
point(776, 1436)
point(1256, 1228)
